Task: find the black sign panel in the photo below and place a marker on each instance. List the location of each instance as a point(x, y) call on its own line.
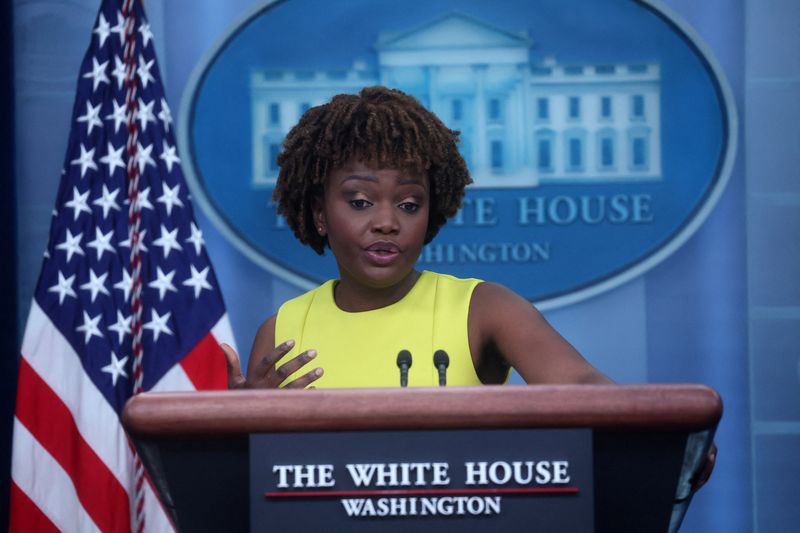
point(462, 480)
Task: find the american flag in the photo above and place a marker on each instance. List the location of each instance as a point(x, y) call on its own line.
point(73, 468)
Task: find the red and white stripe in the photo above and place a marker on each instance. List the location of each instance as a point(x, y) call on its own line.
point(72, 461)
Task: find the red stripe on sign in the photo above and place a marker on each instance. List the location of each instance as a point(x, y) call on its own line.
point(205, 365)
point(421, 492)
point(50, 422)
point(25, 515)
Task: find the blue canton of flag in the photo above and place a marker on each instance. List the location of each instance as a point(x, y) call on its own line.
point(72, 466)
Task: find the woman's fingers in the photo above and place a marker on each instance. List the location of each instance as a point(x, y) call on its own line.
point(701, 477)
point(235, 378)
point(265, 374)
point(293, 365)
point(304, 380)
point(267, 363)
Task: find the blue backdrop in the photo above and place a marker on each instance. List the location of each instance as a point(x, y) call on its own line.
point(723, 310)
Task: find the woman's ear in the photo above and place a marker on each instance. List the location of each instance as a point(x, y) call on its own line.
point(319, 217)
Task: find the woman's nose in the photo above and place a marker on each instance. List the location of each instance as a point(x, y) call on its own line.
point(385, 220)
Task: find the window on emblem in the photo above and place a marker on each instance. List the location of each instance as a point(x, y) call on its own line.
point(545, 157)
point(605, 149)
point(575, 146)
point(639, 148)
point(605, 107)
point(494, 110)
point(272, 161)
point(497, 155)
point(637, 106)
point(544, 140)
point(574, 107)
point(274, 114)
point(542, 108)
point(639, 153)
point(457, 109)
point(575, 153)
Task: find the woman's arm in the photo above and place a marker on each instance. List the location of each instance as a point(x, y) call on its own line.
point(505, 329)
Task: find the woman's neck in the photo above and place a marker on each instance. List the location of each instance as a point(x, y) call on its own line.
point(354, 297)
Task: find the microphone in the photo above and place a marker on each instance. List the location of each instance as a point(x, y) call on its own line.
point(441, 361)
point(404, 363)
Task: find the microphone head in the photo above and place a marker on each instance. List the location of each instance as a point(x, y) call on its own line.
point(440, 359)
point(404, 359)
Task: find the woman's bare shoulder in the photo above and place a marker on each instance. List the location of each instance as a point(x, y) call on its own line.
point(495, 304)
point(515, 329)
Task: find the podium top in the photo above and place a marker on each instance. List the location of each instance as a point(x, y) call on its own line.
point(613, 407)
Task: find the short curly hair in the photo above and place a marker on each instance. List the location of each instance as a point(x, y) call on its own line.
point(380, 125)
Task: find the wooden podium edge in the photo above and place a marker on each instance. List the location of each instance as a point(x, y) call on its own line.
point(612, 407)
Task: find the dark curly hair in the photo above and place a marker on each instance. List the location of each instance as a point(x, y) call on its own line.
point(380, 125)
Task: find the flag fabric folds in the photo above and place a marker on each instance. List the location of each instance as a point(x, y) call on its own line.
point(73, 465)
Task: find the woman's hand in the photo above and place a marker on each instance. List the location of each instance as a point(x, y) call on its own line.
point(263, 374)
point(705, 470)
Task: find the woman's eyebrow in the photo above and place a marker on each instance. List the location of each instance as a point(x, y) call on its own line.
point(360, 177)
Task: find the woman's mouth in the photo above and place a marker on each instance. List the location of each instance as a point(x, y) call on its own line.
point(382, 253)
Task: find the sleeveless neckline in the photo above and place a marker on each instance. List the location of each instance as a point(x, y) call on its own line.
point(329, 300)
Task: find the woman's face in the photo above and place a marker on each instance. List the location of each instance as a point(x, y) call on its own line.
point(375, 220)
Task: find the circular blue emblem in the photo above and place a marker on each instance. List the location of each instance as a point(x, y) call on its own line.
point(599, 134)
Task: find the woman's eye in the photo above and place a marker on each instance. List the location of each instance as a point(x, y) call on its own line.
point(409, 207)
point(359, 203)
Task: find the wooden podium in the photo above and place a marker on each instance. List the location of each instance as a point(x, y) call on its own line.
point(647, 441)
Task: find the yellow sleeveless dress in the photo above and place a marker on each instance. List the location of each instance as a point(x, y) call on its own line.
point(360, 349)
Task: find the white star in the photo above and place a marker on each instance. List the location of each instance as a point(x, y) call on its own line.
point(108, 201)
point(125, 285)
point(113, 158)
point(196, 239)
point(119, 28)
point(92, 118)
point(98, 73)
point(169, 155)
point(102, 29)
point(163, 283)
point(102, 243)
point(144, 200)
point(198, 281)
point(120, 115)
point(127, 242)
point(71, 244)
point(168, 241)
point(144, 113)
point(116, 368)
point(169, 197)
point(158, 324)
point(96, 284)
point(143, 70)
point(86, 160)
point(78, 203)
point(122, 325)
point(143, 157)
point(144, 29)
point(89, 327)
point(120, 71)
point(165, 115)
point(63, 287)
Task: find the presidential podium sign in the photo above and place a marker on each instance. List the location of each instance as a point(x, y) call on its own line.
point(505, 458)
point(469, 479)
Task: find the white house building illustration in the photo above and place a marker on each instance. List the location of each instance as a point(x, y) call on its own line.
point(522, 124)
